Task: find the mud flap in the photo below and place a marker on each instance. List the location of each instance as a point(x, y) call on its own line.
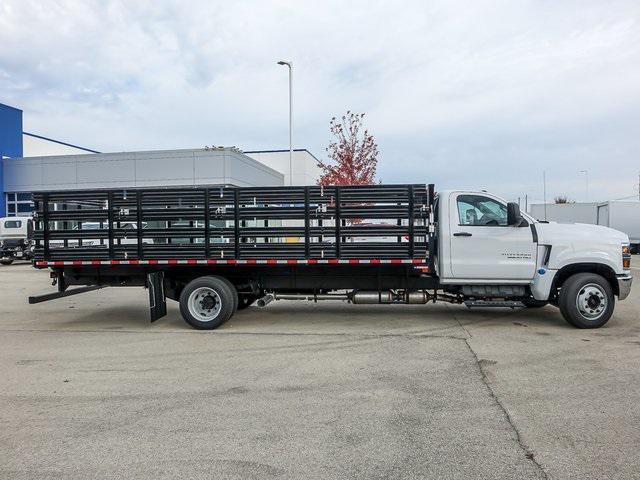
point(157, 300)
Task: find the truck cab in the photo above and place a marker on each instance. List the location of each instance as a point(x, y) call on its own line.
point(486, 246)
point(16, 239)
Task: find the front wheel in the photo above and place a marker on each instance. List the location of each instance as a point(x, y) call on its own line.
point(586, 300)
point(208, 302)
point(6, 261)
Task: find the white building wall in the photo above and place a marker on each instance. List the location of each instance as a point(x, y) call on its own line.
point(305, 166)
point(137, 169)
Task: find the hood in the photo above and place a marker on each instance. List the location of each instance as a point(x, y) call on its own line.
point(579, 232)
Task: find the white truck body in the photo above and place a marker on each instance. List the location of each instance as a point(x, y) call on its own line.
point(497, 253)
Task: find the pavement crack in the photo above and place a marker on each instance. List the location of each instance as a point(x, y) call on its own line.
point(528, 453)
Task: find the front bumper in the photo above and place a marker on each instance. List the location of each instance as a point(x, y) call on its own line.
point(624, 285)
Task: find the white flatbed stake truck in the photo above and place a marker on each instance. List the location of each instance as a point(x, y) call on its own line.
point(218, 249)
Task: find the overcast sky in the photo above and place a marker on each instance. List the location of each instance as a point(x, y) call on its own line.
point(482, 95)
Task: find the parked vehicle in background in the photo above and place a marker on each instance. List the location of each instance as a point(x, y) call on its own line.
point(16, 239)
point(218, 249)
point(622, 216)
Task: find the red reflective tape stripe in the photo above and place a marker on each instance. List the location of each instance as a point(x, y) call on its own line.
point(251, 261)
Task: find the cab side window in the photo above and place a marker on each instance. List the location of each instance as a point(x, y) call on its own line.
point(481, 211)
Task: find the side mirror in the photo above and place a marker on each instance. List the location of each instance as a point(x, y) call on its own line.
point(514, 218)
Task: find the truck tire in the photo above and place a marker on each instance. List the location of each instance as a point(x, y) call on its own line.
point(245, 301)
point(6, 261)
point(586, 300)
point(233, 289)
point(207, 302)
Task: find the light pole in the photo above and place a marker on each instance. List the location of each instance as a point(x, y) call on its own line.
point(586, 175)
point(290, 65)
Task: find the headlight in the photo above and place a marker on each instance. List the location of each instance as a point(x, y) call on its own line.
point(626, 257)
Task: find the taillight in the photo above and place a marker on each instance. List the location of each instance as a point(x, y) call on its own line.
point(626, 257)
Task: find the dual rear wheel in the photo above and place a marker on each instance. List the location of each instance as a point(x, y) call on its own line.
point(208, 302)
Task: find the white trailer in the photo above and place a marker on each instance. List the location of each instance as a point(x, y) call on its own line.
point(566, 212)
point(622, 216)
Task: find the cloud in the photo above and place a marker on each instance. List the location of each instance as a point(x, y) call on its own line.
point(480, 94)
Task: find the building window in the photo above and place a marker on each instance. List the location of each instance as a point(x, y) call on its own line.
point(19, 204)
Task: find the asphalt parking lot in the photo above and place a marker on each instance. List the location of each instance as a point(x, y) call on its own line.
point(90, 389)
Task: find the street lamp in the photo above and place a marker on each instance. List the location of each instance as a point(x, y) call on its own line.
point(290, 65)
point(586, 175)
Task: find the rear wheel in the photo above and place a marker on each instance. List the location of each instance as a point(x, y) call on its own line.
point(6, 261)
point(207, 302)
point(232, 287)
point(586, 300)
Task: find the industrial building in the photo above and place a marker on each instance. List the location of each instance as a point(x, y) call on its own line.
point(32, 162)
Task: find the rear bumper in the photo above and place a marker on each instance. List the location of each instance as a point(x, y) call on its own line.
point(624, 286)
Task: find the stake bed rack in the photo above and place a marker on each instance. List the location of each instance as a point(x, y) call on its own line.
point(186, 225)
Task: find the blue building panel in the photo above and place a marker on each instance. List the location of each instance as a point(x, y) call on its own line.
point(10, 142)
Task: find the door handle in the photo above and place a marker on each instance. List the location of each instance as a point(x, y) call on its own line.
point(462, 234)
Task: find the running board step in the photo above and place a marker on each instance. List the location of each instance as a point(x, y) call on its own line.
point(493, 303)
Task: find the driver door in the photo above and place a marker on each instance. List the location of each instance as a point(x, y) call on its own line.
point(483, 246)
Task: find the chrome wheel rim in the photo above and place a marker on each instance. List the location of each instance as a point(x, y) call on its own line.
point(591, 301)
point(204, 304)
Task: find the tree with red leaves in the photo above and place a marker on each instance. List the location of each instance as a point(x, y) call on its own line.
point(354, 153)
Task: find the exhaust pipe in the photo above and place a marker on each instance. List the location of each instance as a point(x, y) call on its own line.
point(266, 300)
